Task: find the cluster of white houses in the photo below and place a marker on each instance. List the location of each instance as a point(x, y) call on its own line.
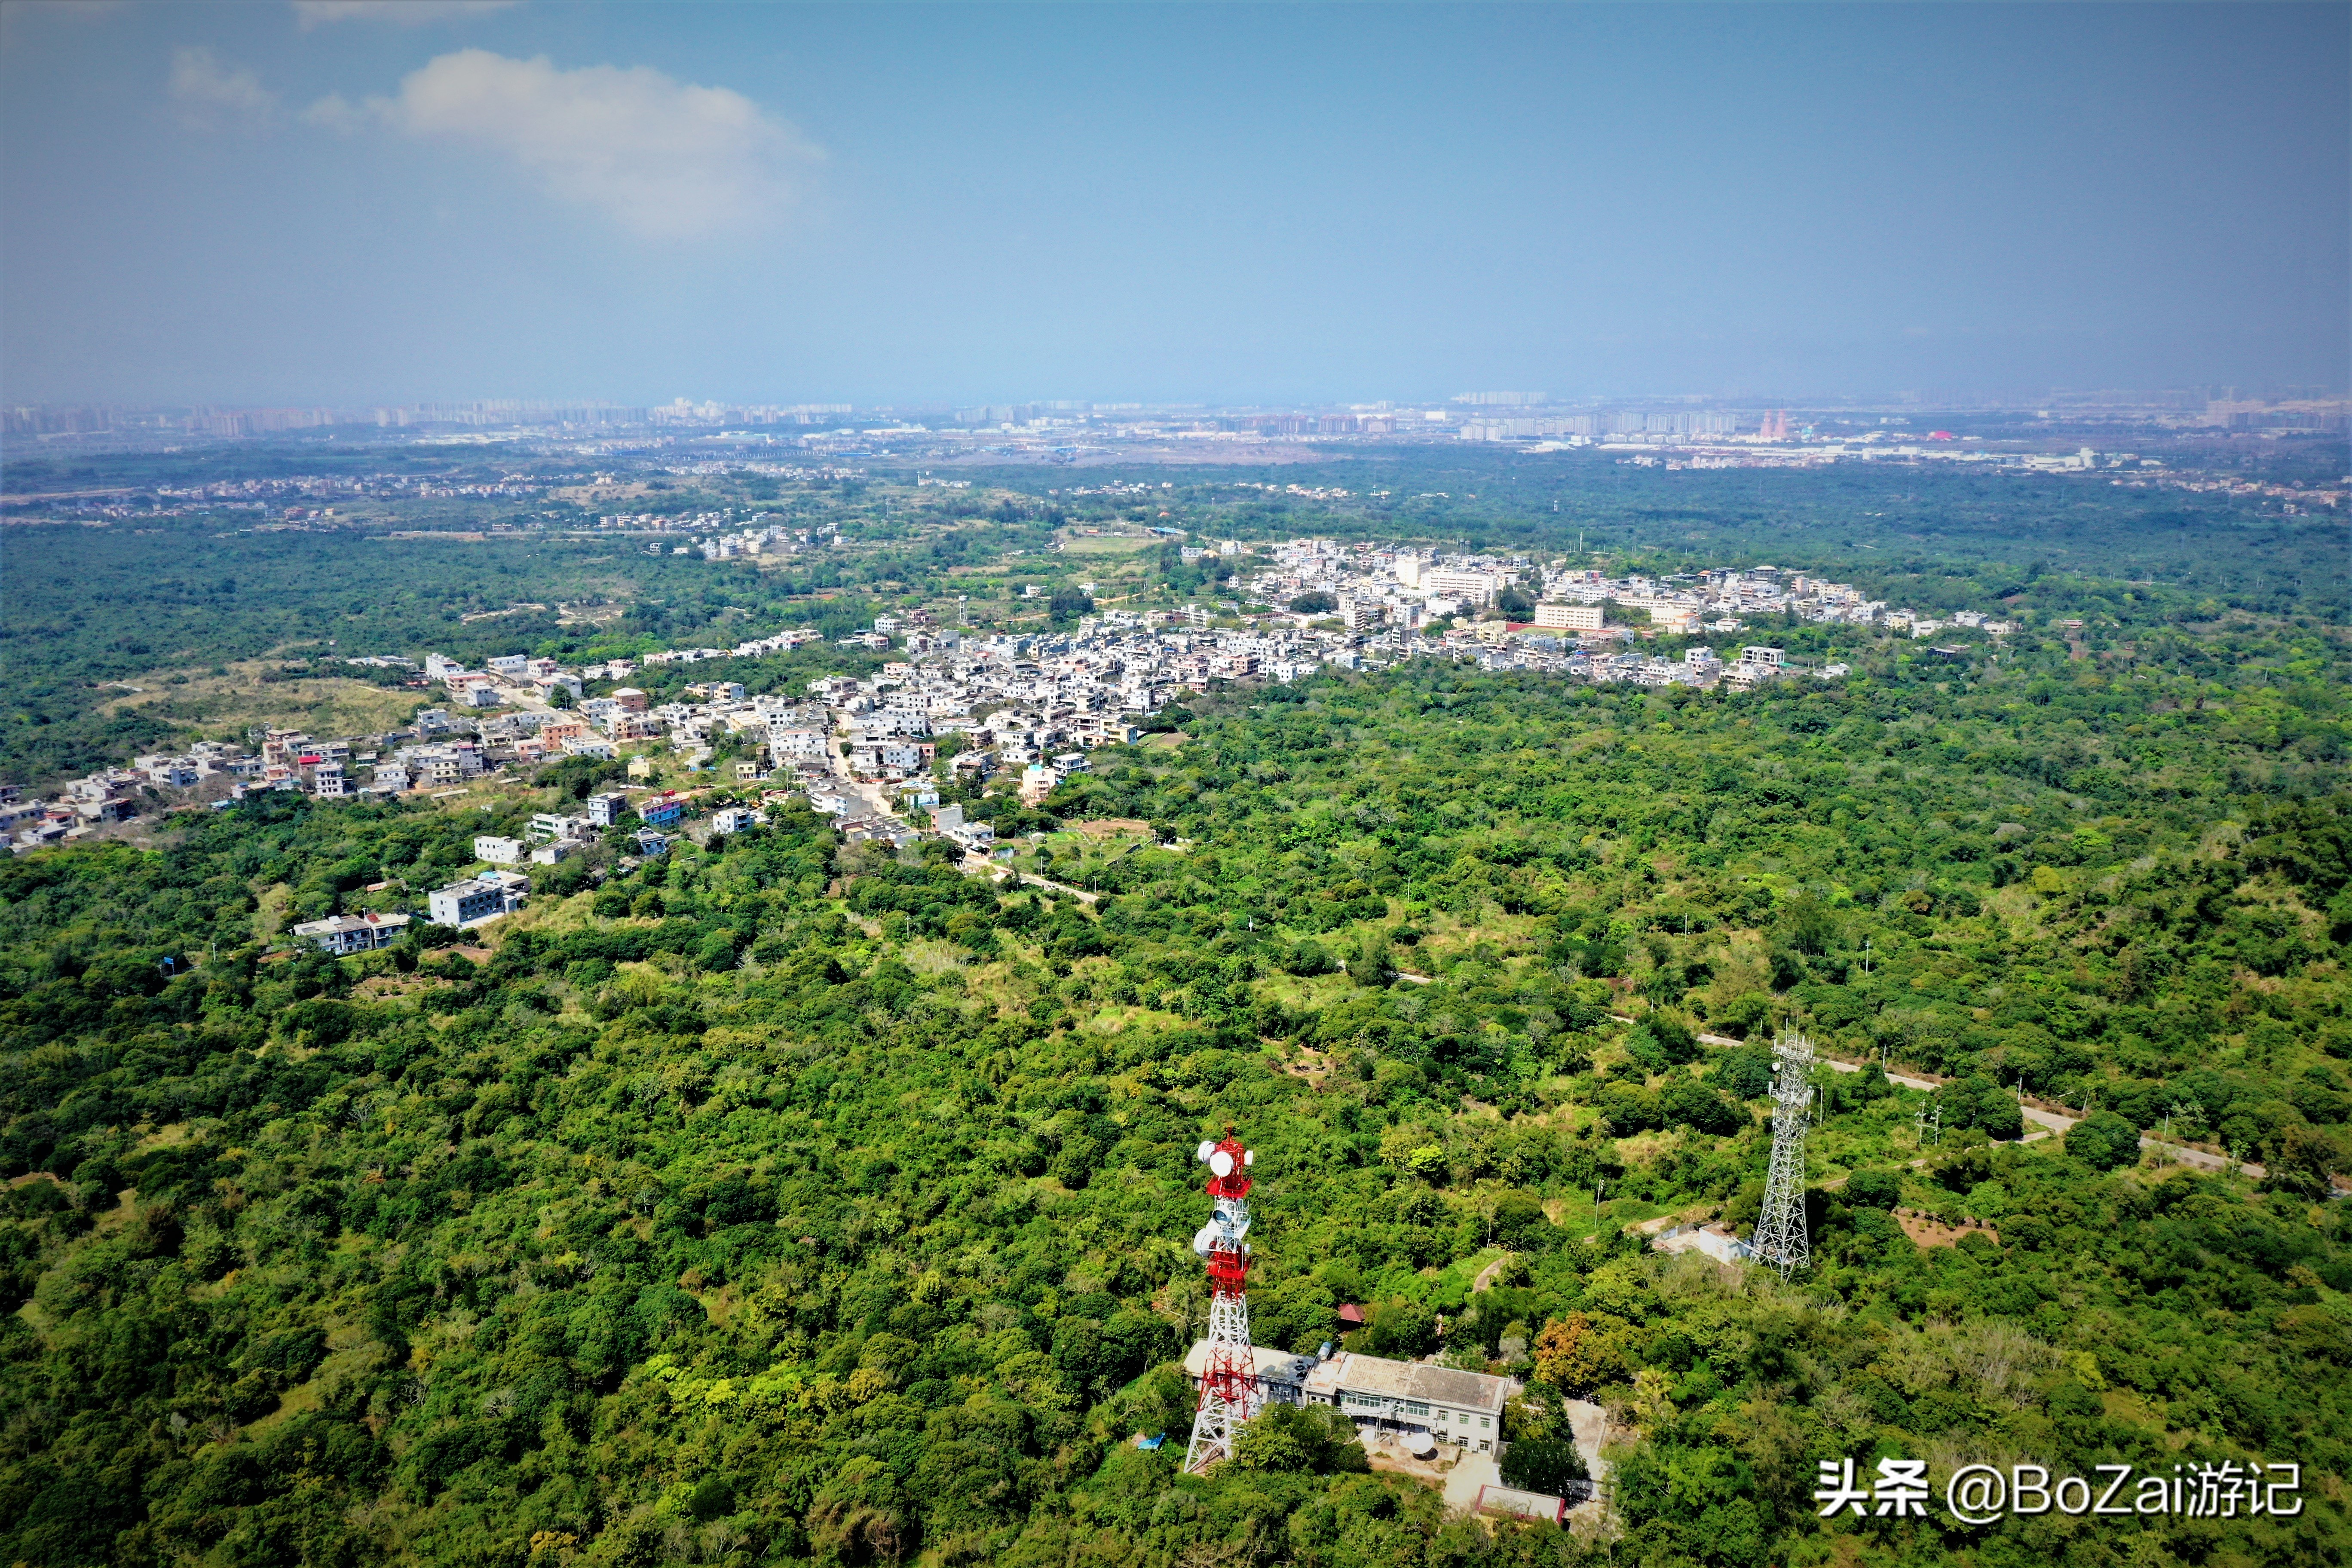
point(1032, 702)
point(1373, 586)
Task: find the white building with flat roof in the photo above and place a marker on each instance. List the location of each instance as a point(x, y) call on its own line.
point(345, 935)
point(1473, 588)
point(1407, 1397)
point(469, 903)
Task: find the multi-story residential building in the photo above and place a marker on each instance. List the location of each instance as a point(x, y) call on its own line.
point(1471, 587)
point(624, 727)
point(168, 772)
point(344, 934)
point(443, 766)
point(977, 838)
point(795, 744)
point(1569, 617)
point(1755, 666)
point(477, 900)
point(1038, 780)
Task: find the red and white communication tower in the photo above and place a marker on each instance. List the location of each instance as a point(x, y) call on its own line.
point(1229, 1392)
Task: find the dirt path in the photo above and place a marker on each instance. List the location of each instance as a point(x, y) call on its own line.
point(997, 869)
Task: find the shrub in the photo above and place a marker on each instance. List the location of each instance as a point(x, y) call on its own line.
point(1579, 1352)
point(1690, 1103)
point(1401, 1330)
point(1300, 1439)
point(1520, 1223)
point(1746, 1073)
point(1543, 1465)
point(1874, 1189)
point(2104, 1140)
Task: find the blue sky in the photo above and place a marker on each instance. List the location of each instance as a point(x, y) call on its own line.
point(300, 202)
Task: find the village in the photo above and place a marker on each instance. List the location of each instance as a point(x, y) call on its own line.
point(1028, 706)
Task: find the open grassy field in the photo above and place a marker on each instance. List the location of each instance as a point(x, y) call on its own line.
point(225, 704)
point(1089, 545)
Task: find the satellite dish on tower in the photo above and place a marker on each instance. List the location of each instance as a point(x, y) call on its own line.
point(1221, 1162)
point(1202, 1151)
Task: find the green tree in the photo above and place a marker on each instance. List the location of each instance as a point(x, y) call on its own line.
point(2104, 1140)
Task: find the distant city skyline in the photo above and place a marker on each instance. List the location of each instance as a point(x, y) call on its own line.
point(258, 206)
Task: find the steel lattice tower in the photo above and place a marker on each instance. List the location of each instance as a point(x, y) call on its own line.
point(1229, 1391)
point(1780, 1242)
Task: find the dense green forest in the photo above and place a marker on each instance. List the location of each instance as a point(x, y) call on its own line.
point(1900, 529)
point(780, 1201)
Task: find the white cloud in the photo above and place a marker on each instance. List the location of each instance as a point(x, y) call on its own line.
point(335, 112)
point(664, 159)
point(210, 95)
point(405, 13)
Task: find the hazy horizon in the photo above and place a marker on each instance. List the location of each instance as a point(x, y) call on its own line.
point(344, 205)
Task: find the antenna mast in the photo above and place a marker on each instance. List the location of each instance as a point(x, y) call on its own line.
point(1780, 1240)
point(1229, 1391)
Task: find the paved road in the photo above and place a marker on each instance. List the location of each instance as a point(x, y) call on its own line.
point(1930, 1085)
point(1590, 1425)
point(2056, 1125)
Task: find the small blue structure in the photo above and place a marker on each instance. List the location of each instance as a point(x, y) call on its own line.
point(1151, 1444)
